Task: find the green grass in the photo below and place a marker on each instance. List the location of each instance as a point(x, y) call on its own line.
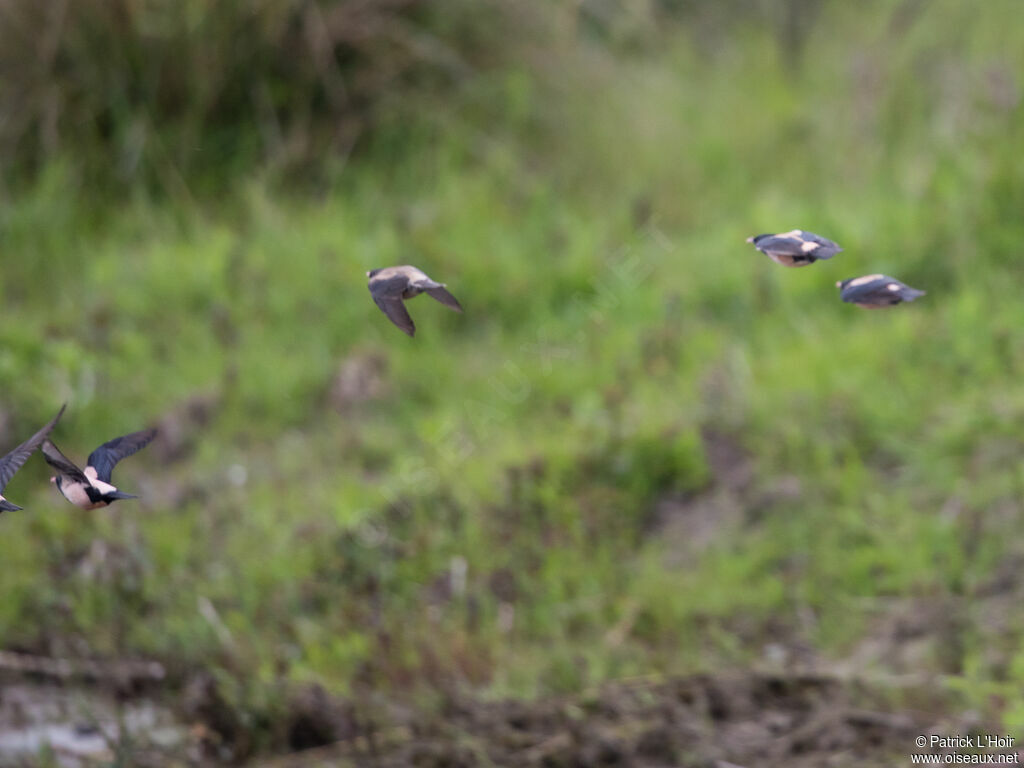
point(531, 437)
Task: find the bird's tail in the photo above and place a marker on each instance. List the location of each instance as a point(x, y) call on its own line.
point(440, 293)
point(6, 506)
point(114, 495)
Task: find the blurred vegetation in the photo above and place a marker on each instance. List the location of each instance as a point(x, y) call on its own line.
point(164, 95)
point(644, 448)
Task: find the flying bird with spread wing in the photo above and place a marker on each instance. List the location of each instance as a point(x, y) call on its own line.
point(91, 488)
point(390, 287)
point(796, 248)
point(12, 462)
point(876, 291)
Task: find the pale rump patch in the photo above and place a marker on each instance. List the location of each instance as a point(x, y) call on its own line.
point(864, 280)
point(791, 233)
point(405, 270)
point(893, 286)
point(425, 282)
point(810, 246)
point(90, 472)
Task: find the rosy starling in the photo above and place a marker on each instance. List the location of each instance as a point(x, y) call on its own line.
point(875, 291)
point(91, 489)
point(391, 286)
point(796, 248)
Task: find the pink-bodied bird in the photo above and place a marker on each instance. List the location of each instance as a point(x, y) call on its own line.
point(796, 248)
point(876, 291)
point(91, 488)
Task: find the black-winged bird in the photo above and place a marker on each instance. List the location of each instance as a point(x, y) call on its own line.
point(876, 291)
point(391, 286)
point(91, 488)
point(796, 248)
point(12, 462)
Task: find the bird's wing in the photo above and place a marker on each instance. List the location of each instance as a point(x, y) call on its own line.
point(388, 287)
point(12, 462)
point(397, 313)
point(104, 458)
point(876, 290)
point(825, 249)
point(62, 463)
point(787, 246)
point(440, 293)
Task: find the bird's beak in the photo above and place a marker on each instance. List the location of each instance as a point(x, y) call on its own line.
point(367, 273)
point(53, 479)
point(750, 239)
point(839, 283)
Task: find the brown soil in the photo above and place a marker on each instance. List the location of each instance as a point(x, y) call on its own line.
point(741, 720)
point(737, 721)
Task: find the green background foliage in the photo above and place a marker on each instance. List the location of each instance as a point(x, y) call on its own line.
point(643, 449)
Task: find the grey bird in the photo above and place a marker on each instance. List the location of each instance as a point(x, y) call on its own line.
point(796, 248)
point(91, 488)
point(12, 462)
point(390, 287)
point(876, 291)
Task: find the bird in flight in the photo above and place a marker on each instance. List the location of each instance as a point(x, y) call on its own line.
point(12, 462)
point(796, 248)
point(876, 291)
point(391, 286)
point(91, 488)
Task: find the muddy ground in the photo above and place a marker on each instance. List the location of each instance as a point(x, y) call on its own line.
point(694, 722)
point(742, 719)
point(806, 711)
